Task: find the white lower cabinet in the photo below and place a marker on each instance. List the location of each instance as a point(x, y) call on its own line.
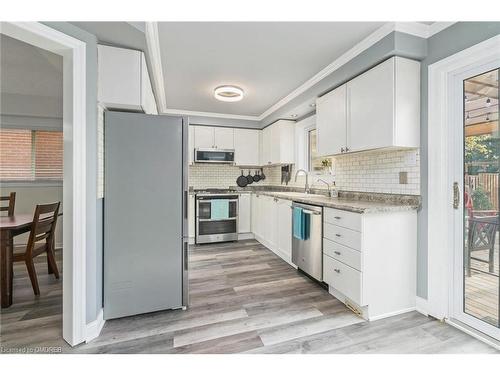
point(369, 262)
point(244, 213)
point(284, 222)
point(272, 224)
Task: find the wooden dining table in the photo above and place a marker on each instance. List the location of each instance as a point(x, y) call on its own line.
point(10, 226)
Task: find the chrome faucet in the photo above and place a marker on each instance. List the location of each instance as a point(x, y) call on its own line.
point(307, 190)
point(328, 185)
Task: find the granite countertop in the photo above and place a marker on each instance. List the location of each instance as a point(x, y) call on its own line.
point(346, 204)
point(359, 202)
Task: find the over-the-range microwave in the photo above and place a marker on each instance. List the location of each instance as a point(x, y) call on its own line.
point(213, 155)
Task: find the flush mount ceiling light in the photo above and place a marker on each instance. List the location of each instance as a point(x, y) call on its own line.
point(228, 93)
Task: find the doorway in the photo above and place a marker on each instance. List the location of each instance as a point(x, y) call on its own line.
point(476, 155)
point(73, 52)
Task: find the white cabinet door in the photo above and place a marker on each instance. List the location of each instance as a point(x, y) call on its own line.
point(331, 122)
point(266, 214)
point(244, 213)
point(256, 215)
point(246, 147)
point(286, 141)
point(266, 145)
point(119, 78)
point(285, 229)
point(191, 216)
point(270, 222)
point(224, 138)
point(203, 137)
point(147, 96)
point(191, 144)
point(275, 143)
point(371, 108)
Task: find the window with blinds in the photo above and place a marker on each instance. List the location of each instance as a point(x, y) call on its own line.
point(31, 155)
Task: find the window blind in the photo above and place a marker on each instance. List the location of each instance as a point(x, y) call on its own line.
point(30, 155)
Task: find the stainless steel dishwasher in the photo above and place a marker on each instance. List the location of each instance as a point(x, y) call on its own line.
point(307, 254)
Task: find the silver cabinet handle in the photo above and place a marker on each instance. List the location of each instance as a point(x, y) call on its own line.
point(337, 270)
point(338, 235)
point(337, 252)
point(337, 217)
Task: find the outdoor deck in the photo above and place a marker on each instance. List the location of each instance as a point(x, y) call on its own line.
point(482, 288)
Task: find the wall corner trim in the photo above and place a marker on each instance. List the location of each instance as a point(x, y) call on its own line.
point(421, 305)
point(94, 328)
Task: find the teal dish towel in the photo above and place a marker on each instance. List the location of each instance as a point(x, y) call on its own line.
point(219, 209)
point(306, 226)
point(298, 217)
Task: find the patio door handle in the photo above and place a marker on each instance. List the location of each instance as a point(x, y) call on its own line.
point(456, 195)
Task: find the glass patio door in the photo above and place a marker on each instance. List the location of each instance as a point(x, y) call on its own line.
point(477, 204)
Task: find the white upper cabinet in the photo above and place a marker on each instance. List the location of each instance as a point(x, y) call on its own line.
point(224, 138)
point(331, 121)
point(213, 137)
point(246, 147)
point(204, 137)
point(278, 143)
point(381, 110)
point(123, 81)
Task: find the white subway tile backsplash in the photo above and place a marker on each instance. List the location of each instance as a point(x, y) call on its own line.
point(375, 171)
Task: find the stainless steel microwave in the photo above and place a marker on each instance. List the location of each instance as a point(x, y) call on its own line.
point(213, 155)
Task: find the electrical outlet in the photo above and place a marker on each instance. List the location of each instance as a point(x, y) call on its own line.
point(403, 178)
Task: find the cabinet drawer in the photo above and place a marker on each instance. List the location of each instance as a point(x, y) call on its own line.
point(343, 236)
point(345, 279)
point(344, 219)
point(342, 253)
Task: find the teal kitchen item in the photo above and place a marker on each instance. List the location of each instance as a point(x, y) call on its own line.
point(219, 209)
point(298, 217)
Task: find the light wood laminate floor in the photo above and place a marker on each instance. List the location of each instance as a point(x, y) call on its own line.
point(244, 299)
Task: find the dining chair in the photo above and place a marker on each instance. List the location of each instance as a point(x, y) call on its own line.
point(481, 235)
point(12, 203)
point(43, 229)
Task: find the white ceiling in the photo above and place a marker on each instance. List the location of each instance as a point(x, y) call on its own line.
point(267, 59)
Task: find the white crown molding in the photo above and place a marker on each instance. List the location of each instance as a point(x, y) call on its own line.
point(154, 52)
point(437, 27)
point(169, 111)
point(413, 28)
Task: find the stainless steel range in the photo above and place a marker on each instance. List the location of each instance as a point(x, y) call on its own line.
point(216, 216)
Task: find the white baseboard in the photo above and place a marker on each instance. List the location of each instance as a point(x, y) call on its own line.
point(392, 313)
point(421, 305)
point(94, 328)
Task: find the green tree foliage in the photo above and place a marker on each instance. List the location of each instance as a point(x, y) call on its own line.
point(482, 148)
point(481, 200)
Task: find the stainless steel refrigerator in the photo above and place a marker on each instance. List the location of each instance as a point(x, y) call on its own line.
point(145, 213)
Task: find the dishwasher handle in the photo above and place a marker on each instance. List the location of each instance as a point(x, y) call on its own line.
point(309, 212)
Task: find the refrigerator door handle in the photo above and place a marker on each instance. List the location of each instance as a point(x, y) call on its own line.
point(186, 204)
point(186, 260)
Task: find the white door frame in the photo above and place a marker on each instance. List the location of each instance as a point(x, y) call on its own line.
point(442, 128)
point(73, 52)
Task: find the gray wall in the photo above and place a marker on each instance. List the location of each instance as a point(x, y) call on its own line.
point(94, 219)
